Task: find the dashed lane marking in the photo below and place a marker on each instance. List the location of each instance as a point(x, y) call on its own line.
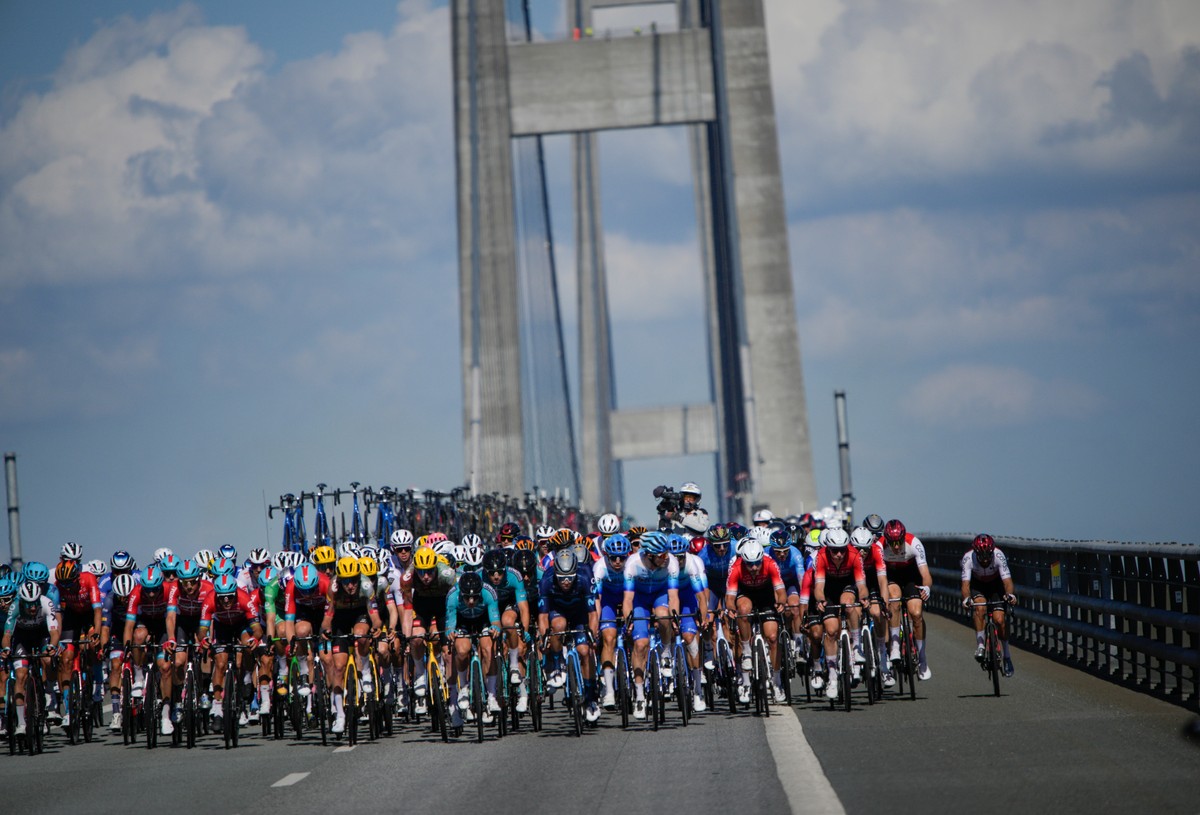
point(289, 779)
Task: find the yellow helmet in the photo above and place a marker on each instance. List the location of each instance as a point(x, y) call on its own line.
point(367, 567)
point(636, 532)
point(347, 568)
point(425, 559)
point(323, 555)
point(422, 541)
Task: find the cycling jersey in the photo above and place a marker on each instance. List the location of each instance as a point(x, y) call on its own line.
point(44, 620)
point(307, 603)
point(338, 600)
point(852, 566)
point(459, 615)
point(573, 602)
point(975, 572)
point(154, 606)
point(511, 590)
point(903, 565)
point(81, 596)
point(740, 580)
point(241, 611)
point(690, 591)
point(648, 581)
point(791, 568)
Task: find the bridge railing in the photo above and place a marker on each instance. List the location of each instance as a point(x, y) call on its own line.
point(1128, 612)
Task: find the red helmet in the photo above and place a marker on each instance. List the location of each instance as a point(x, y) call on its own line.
point(894, 531)
point(509, 531)
point(984, 545)
point(697, 545)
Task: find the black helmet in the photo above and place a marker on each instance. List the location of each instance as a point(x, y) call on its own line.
point(470, 585)
point(525, 561)
point(495, 560)
point(565, 563)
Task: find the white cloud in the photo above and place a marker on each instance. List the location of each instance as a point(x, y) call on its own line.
point(973, 396)
point(649, 280)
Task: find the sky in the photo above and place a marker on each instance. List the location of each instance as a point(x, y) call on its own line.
point(228, 262)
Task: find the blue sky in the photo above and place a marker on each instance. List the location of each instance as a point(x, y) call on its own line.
point(227, 260)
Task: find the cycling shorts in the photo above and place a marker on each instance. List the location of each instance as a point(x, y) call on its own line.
point(27, 642)
point(761, 597)
point(835, 587)
point(344, 621)
point(473, 626)
point(991, 590)
point(429, 613)
point(908, 590)
point(75, 625)
point(643, 610)
point(224, 635)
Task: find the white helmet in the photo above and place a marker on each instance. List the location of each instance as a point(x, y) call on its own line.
point(690, 488)
point(762, 534)
point(445, 548)
point(608, 524)
point(862, 537)
point(764, 516)
point(471, 539)
point(751, 551)
point(401, 537)
point(545, 532)
point(280, 560)
point(96, 567)
point(384, 559)
point(162, 554)
point(836, 538)
point(471, 556)
point(72, 551)
point(204, 557)
point(696, 521)
point(259, 557)
point(347, 548)
point(368, 551)
point(123, 585)
point(30, 592)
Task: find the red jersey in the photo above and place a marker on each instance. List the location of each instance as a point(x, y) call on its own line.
point(769, 573)
point(851, 565)
point(243, 610)
point(314, 600)
point(81, 596)
point(192, 606)
point(153, 606)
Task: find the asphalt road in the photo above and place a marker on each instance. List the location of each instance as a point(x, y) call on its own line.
point(1055, 740)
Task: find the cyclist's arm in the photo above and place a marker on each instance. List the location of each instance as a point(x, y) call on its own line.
point(926, 577)
point(673, 600)
point(452, 611)
point(627, 604)
point(523, 613)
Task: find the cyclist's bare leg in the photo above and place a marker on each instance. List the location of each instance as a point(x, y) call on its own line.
point(770, 630)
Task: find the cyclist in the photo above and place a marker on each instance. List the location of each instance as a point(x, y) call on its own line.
point(870, 549)
point(837, 579)
point(113, 613)
point(693, 613)
point(270, 600)
point(717, 557)
point(99, 569)
point(193, 589)
point(350, 615)
point(908, 579)
point(986, 579)
point(149, 619)
point(228, 617)
point(755, 585)
point(39, 573)
point(471, 609)
point(256, 561)
point(377, 582)
point(763, 518)
point(608, 575)
point(810, 619)
point(568, 603)
point(651, 590)
point(304, 611)
point(513, 605)
point(8, 593)
point(791, 569)
point(402, 548)
point(82, 611)
point(32, 629)
point(425, 587)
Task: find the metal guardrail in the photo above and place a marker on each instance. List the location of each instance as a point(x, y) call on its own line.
point(1127, 612)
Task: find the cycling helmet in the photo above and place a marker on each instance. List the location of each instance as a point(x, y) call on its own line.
point(347, 548)
point(874, 524)
point(762, 534)
point(204, 557)
point(435, 537)
point(425, 559)
point(561, 538)
point(123, 585)
point(122, 560)
point(470, 556)
point(268, 576)
point(862, 537)
point(690, 488)
point(764, 516)
point(654, 543)
point(470, 585)
point(161, 554)
point(8, 587)
point(545, 532)
point(608, 524)
point(717, 534)
point(836, 538)
point(617, 545)
point(524, 542)
point(383, 559)
point(635, 533)
point(37, 571)
point(223, 566)
point(188, 570)
point(677, 544)
point(169, 564)
point(495, 561)
point(225, 585)
point(401, 539)
point(323, 555)
point(152, 578)
point(509, 530)
point(307, 578)
point(697, 545)
point(526, 563)
point(984, 546)
point(72, 551)
point(736, 530)
point(368, 550)
point(471, 539)
point(367, 567)
point(280, 560)
point(30, 592)
point(258, 557)
point(96, 567)
point(347, 567)
point(751, 551)
point(67, 571)
point(696, 521)
point(227, 550)
point(565, 564)
point(780, 540)
point(894, 531)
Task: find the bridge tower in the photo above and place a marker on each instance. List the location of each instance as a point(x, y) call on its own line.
point(712, 76)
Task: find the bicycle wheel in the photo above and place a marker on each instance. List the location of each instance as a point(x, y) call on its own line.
point(501, 697)
point(725, 667)
point(993, 660)
point(231, 692)
point(34, 703)
point(763, 678)
point(870, 667)
point(150, 709)
point(682, 695)
point(845, 658)
point(621, 691)
point(70, 703)
point(127, 728)
point(910, 658)
point(787, 665)
point(536, 680)
point(294, 699)
point(574, 693)
point(653, 688)
point(320, 697)
point(351, 704)
point(190, 716)
point(443, 707)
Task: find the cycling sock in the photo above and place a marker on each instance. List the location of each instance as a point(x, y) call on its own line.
point(280, 666)
point(463, 682)
point(116, 701)
point(639, 690)
point(697, 678)
point(1004, 644)
point(304, 669)
point(745, 647)
point(21, 716)
point(490, 684)
point(979, 638)
point(921, 650)
point(589, 690)
point(337, 704)
point(856, 639)
point(216, 708)
point(895, 634)
point(775, 676)
point(609, 673)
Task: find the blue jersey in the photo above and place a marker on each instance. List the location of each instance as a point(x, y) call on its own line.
point(791, 566)
point(642, 579)
point(574, 602)
point(457, 608)
point(511, 590)
point(716, 568)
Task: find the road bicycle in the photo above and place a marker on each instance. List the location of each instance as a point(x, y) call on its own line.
point(845, 660)
point(322, 531)
point(723, 671)
point(992, 661)
point(760, 661)
point(905, 668)
point(294, 534)
point(78, 697)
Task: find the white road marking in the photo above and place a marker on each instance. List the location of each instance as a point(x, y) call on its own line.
point(289, 779)
point(345, 748)
point(799, 771)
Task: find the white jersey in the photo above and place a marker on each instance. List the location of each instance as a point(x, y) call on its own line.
point(694, 573)
point(911, 554)
point(972, 571)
